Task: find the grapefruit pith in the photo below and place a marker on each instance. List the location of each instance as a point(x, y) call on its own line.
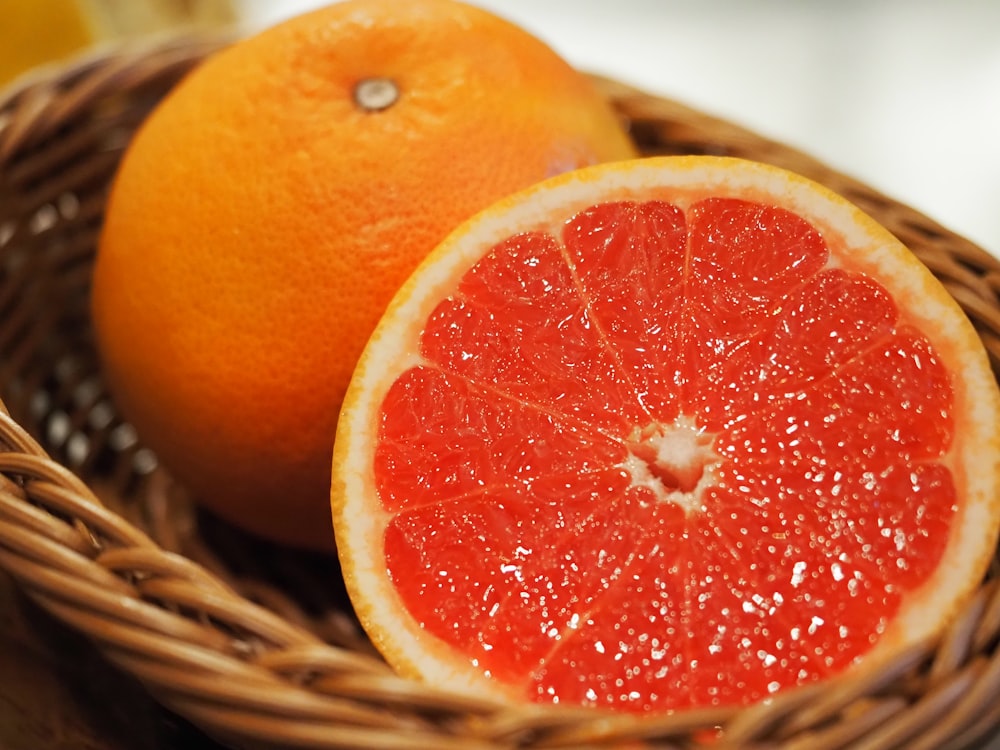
point(667, 433)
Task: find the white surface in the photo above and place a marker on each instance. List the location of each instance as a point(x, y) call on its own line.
point(903, 94)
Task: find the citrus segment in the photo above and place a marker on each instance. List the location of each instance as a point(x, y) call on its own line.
point(663, 434)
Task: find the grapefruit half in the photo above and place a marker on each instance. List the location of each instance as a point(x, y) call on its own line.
point(665, 433)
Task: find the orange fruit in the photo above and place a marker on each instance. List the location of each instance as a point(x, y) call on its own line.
point(39, 33)
point(34, 34)
point(675, 432)
point(269, 208)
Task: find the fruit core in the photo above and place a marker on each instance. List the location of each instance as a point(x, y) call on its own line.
point(675, 461)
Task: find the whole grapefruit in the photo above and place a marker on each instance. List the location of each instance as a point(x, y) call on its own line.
point(271, 205)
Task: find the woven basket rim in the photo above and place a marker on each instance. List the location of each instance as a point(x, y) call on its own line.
point(248, 674)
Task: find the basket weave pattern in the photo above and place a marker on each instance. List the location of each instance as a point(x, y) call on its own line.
point(257, 645)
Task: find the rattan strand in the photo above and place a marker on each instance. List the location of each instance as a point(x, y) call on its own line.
point(257, 645)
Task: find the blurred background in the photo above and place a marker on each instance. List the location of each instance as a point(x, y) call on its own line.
point(903, 94)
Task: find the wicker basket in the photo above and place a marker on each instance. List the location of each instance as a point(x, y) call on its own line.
point(257, 645)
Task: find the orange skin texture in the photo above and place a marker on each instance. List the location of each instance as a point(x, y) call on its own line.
point(261, 221)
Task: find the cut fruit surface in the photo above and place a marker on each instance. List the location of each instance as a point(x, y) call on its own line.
point(674, 432)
